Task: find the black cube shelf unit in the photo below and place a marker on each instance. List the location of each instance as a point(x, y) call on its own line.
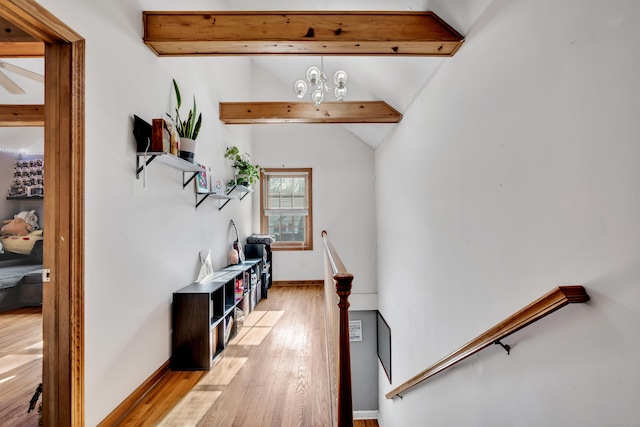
point(260, 250)
point(205, 315)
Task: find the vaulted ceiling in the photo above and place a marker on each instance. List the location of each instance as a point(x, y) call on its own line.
point(342, 33)
point(396, 80)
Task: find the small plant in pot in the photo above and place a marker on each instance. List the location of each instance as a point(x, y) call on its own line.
point(187, 129)
point(245, 172)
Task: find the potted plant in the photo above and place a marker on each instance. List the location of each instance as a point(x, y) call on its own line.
point(245, 172)
point(187, 129)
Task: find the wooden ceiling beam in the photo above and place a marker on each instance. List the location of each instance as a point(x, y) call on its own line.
point(17, 43)
point(21, 50)
point(307, 112)
point(21, 115)
point(299, 33)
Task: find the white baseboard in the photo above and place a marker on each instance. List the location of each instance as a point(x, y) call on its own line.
point(367, 415)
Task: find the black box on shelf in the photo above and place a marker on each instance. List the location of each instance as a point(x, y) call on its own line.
point(142, 133)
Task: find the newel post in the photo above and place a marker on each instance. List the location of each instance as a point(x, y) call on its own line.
point(345, 403)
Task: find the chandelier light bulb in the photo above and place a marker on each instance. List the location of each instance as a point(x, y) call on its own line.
point(316, 85)
point(313, 75)
point(300, 87)
point(317, 96)
point(340, 93)
point(340, 78)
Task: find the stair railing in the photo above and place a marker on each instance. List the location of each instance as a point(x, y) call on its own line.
point(543, 306)
point(337, 288)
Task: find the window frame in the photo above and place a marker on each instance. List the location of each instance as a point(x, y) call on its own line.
point(307, 245)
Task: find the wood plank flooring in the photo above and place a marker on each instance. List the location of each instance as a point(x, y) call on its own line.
point(20, 364)
point(273, 373)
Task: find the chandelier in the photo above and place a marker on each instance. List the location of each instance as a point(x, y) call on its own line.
point(316, 84)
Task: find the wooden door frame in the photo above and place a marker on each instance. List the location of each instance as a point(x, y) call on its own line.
point(63, 295)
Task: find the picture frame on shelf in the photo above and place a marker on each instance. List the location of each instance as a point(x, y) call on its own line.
point(202, 180)
point(217, 186)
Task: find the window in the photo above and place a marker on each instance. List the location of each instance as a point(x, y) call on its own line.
point(285, 208)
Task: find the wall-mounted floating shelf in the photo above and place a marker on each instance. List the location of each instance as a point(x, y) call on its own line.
point(189, 173)
point(190, 170)
point(241, 189)
point(237, 189)
point(201, 197)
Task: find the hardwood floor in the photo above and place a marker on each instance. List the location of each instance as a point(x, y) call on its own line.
point(20, 365)
point(273, 373)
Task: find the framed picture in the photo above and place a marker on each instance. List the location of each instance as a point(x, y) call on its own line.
point(355, 330)
point(384, 344)
point(202, 180)
point(217, 186)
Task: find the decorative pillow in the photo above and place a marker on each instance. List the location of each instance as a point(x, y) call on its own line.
point(21, 244)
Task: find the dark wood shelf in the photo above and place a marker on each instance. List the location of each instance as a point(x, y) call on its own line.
point(205, 315)
point(25, 197)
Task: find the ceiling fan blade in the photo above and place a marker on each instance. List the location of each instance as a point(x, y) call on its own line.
point(23, 72)
point(10, 85)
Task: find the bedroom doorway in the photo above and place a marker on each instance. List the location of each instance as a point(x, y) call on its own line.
point(63, 299)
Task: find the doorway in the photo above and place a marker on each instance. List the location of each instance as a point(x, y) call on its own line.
point(63, 290)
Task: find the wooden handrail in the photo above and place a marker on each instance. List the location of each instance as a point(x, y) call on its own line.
point(547, 304)
point(336, 263)
point(342, 280)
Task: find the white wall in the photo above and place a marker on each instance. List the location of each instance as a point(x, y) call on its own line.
point(521, 164)
point(343, 202)
point(143, 244)
point(8, 208)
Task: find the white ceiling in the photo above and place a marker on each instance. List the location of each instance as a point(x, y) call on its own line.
point(34, 90)
point(395, 80)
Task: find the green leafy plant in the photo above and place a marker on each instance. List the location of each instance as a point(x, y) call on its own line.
point(246, 172)
point(186, 128)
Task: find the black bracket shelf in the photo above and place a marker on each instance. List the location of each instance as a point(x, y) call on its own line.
point(189, 170)
point(239, 188)
point(227, 197)
point(201, 197)
point(185, 174)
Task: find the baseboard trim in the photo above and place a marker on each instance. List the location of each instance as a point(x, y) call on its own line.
point(366, 415)
point(297, 282)
point(127, 405)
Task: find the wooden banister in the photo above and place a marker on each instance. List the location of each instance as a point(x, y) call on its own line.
point(339, 346)
point(547, 304)
point(336, 263)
